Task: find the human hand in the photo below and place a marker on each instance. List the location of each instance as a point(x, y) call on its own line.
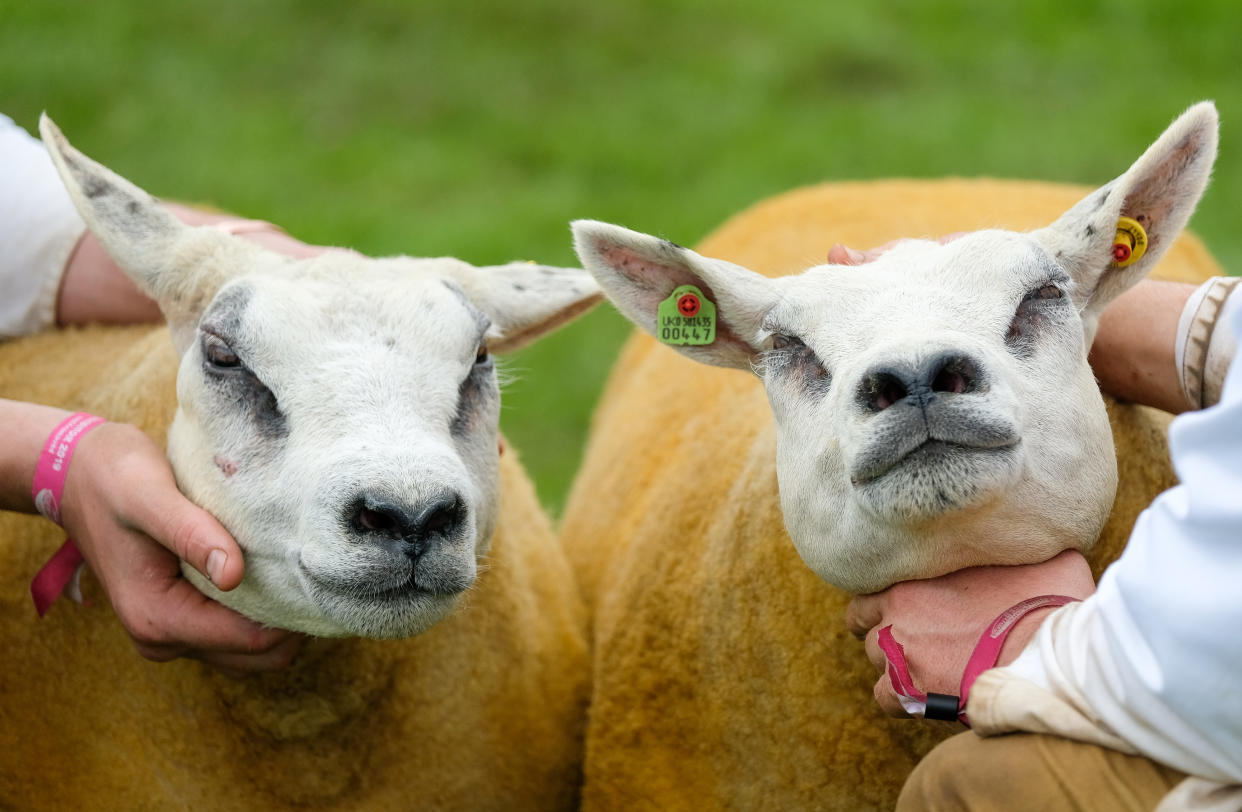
point(938, 620)
point(841, 254)
point(122, 508)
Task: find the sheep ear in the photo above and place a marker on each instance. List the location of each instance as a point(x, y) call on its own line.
point(179, 266)
point(525, 301)
point(638, 272)
point(1160, 191)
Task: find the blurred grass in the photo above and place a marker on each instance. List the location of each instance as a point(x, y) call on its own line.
point(479, 129)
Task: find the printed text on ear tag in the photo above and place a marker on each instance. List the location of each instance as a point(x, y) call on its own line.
point(686, 317)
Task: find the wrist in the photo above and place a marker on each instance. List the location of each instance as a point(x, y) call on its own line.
point(27, 428)
point(1133, 352)
point(52, 469)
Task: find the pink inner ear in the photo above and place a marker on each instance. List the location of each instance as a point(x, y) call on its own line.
point(650, 274)
point(659, 278)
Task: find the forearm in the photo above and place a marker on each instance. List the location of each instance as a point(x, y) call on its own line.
point(1134, 351)
point(1167, 344)
point(26, 428)
point(94, 289)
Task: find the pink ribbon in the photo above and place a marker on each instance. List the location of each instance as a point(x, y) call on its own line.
point(58, 576)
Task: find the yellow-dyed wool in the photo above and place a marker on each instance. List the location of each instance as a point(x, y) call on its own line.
point(483, 712)
point(723, 674)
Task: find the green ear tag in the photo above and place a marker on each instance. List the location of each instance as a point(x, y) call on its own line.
point(686, 318)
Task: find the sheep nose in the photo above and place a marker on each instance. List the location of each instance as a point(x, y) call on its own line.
point(948, 373)
point(411, 528)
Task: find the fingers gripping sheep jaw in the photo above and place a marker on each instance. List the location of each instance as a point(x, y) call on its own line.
point(934, 409)
point(338, 414)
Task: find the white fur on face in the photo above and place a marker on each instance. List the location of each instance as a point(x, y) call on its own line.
point(995, 443)
point(337, 414)
point(358, 391)
point(935, 409)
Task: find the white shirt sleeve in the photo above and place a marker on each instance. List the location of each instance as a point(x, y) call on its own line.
point(1155, 655)
point(39, 228)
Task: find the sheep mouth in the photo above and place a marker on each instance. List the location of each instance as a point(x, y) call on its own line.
point(929, 454)
point(936, 478)
point(414, 587)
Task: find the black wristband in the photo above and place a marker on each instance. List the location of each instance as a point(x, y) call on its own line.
point(941, 706)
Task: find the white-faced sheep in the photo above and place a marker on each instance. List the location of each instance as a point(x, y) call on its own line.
point(303, 394)
point(724, 677)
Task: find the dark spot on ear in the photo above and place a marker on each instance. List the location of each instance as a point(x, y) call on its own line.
point(547, 271)
point(390, 342)
point(1089, 230)
point(519, 288)
point(133, 207)
point(94, 187)
point(1103, 198)
point(673, 245)
point(1059, 255)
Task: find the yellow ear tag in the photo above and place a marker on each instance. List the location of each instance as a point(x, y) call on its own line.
point(1131, 242)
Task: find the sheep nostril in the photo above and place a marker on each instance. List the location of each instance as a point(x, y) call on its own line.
point(442, 518)
point(377, 521)
point(881, 390)
point(411, 528)
point(955, 376)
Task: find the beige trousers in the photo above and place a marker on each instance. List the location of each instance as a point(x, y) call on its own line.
point(1029, 772)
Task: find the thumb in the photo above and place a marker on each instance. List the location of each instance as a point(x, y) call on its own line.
point(196, 538)
point(863, 613)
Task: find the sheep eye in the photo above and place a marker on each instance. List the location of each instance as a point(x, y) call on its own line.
point(218, 353)
point(482, 356)
point(781, 341)
point(1046, 292)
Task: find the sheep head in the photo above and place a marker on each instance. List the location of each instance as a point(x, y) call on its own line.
point(338, 414)
point(935, 409)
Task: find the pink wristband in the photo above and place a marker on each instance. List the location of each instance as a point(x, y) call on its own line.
point(53, 465)
point(61, 572)
point(946, 706)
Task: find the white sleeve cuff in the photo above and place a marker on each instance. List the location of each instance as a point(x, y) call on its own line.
point(1205, 342)
point(39, 228)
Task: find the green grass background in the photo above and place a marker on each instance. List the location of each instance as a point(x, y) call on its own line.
point(479, 128)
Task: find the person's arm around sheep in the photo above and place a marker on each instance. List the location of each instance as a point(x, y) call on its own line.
point(1145, 666)
point(120, 503)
